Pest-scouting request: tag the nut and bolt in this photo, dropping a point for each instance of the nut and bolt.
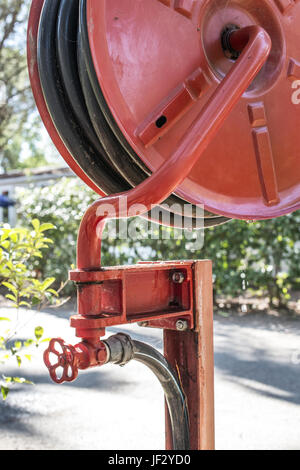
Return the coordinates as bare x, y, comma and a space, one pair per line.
182, 325
178, 277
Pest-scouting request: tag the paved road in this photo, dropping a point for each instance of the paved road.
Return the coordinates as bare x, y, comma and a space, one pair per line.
257, 394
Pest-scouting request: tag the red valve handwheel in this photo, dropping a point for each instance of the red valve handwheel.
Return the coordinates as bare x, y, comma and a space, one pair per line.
159, 61
66, 360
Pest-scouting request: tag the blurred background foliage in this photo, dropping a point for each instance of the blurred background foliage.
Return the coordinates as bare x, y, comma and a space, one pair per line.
257, 258
23, 141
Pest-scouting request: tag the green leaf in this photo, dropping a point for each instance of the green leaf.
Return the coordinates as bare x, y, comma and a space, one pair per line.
6, 357
8, 380
5, 244
19, 361
54, 292
10, 286
48, 240
21, 380
11, 297
13, 236
39, 331
4, 319
4, 236
35, 301
4, 392
10, 265
46, 226
25, 304
36, 224
47, 283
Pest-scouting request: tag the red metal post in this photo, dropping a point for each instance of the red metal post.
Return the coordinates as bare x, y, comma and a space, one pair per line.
191, 354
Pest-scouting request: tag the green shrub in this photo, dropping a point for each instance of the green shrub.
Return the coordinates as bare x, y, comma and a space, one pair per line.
61, 204
19, 248
260, 258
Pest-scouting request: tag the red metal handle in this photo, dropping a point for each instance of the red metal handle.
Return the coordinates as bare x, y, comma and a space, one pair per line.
156, 188
66, 363
68, 359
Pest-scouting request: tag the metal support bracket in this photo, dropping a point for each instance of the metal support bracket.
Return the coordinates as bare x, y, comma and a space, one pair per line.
157, 295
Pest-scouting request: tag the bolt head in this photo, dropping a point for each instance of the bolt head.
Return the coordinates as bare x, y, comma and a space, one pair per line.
182, 325
178, 277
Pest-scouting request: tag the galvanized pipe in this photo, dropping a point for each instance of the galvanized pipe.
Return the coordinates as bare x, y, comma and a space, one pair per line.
175, 398
122, 349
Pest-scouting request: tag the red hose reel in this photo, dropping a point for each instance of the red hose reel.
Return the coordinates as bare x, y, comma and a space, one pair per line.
184, 101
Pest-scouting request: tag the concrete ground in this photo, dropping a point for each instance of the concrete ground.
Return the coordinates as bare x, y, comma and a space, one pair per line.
257, 391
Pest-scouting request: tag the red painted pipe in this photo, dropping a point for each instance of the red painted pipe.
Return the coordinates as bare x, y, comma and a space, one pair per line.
155, 189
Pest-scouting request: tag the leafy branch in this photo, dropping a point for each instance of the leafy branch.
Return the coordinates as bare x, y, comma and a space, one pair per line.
19, 247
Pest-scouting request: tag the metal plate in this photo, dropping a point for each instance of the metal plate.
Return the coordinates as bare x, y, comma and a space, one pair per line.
158, 62
107, 131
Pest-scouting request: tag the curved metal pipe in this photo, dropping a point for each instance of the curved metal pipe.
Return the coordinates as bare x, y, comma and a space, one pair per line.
157, 187
175, 398
122, 349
